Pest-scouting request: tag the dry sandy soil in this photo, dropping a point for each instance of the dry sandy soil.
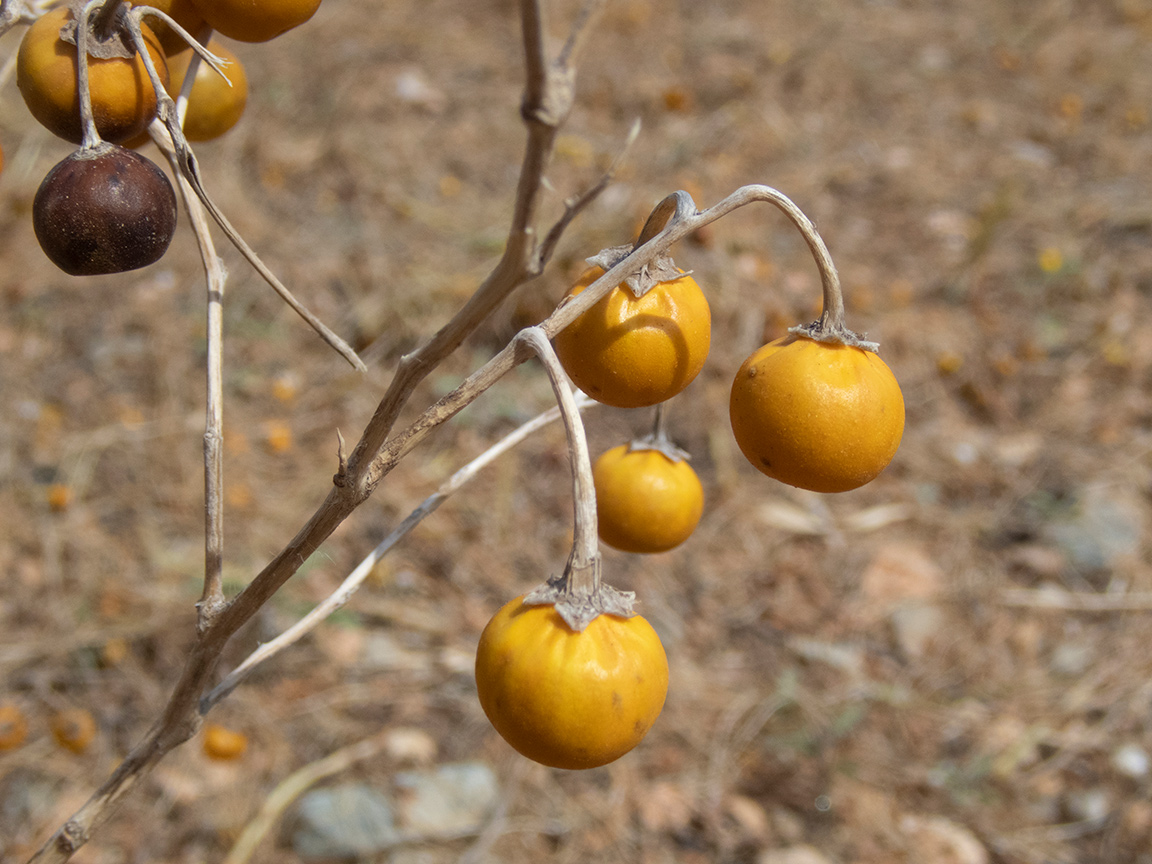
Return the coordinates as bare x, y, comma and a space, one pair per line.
948, 665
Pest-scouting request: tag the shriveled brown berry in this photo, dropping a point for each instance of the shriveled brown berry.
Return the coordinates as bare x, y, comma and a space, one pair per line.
104, 209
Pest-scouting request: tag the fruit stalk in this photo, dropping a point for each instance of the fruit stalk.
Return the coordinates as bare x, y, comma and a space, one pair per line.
91, 138
578, 593
105, 18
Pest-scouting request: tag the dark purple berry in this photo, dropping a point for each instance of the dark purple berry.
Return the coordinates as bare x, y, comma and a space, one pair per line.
104, 209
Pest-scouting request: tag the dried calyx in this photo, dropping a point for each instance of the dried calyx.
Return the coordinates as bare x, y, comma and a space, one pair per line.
579, 596
662, 269
109, 35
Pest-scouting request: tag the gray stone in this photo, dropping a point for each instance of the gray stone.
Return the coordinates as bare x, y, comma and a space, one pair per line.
1108, 525
1089, 805
451, 800
346, 821
1131, 760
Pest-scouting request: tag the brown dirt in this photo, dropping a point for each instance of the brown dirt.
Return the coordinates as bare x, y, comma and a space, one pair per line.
870, 674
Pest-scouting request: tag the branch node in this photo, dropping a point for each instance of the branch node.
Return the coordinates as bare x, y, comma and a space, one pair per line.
556, 98
340, 478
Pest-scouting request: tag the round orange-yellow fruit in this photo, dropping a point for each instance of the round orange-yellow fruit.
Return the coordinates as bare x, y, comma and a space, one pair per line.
645, 501
123, 102
815, 415
255, 20
214, 105
630, 352
567, 699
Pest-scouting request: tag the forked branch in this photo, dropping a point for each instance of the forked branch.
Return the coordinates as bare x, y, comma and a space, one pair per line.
550, 89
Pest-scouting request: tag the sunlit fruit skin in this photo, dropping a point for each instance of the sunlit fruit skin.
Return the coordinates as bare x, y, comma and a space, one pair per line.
213, 106
106, 210
123, 102
630, 352
819, 416
184, 13
255, 20
567, 699
645, 501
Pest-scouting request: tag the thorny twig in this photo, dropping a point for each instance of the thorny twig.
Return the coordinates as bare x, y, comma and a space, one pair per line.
181, 718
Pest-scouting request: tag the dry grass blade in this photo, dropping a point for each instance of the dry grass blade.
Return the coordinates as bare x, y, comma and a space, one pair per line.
294, 785
1076, 601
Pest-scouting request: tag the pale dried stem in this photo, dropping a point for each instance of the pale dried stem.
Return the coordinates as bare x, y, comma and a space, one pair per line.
585, 541
578, 595
167, 111
215, 277
197, 42
549, 93
658, 439
356, 480
574, 206
356, 578
202, 38
660, 422
106, 18
91, 138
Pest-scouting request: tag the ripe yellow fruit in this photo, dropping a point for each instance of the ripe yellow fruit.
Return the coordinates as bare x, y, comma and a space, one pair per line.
256, 20
645, 501
214, 105
123, 102
816, 415
630, 352
567, 699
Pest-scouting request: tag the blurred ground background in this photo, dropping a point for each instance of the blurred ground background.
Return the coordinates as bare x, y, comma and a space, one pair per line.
948, 665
